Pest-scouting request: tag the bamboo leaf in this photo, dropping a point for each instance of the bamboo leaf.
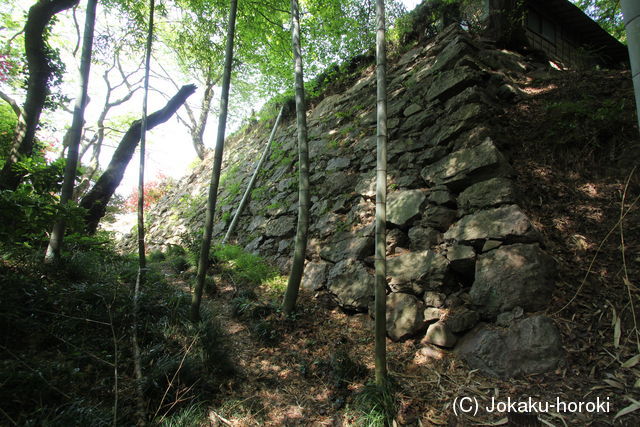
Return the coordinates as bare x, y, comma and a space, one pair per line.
629, 409
617, 333
632, 362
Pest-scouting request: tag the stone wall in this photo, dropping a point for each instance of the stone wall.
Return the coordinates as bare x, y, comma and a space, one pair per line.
465, 264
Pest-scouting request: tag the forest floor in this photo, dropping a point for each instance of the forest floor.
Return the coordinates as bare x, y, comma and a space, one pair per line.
573, 140
574, 151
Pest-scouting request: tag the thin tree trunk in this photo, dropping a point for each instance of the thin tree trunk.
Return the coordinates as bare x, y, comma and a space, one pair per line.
631, 12
217, 165
254, 177
297, 268
40, 71
75, 134
96, 200
381, 202
142, 260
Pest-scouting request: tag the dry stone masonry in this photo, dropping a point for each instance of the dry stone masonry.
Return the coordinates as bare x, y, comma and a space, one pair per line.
462, 255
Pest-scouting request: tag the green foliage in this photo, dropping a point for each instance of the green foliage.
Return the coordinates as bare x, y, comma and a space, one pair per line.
194, 415
607, 13
242, 266
7, 125
70, 325
375, 406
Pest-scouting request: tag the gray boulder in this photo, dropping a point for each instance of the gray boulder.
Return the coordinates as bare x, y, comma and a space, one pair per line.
450, 83
351, 284
404, 205
280, 227
415, 271
424, 238
347, 245
438, 217
510, 276
487, 194
462, 168
531, 346
405, 316
439, 334
315, 275
460, 319
503, 223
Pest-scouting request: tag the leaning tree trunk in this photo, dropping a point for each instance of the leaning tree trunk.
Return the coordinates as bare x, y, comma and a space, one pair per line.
95, 201
40, 71
252, 181
631, 12
381, 202
297, 268
203, 262
75, 134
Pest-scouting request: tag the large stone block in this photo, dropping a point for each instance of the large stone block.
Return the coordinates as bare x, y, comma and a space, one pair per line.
405, 316
416, 271
351, 284
462, 168
516, 275
347, 245
404, 205
452, 82
531, 346
503, 223
487, 194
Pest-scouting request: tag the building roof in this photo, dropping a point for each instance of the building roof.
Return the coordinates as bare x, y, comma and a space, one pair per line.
589, 32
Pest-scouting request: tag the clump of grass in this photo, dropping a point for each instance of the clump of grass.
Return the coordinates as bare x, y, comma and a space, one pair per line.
193, 415
241, 265
375, 405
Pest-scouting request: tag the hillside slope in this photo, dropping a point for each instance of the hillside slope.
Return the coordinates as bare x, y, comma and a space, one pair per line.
505, 178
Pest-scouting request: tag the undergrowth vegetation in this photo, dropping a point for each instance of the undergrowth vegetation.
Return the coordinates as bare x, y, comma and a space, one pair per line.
66, 353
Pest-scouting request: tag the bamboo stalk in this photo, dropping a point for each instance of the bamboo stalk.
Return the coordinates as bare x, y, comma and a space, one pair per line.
254, 177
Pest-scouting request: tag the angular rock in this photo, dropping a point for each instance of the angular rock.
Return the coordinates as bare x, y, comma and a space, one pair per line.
503, 223
462, 260
280, 227
347, 245
424, 238
315, 275
434, 299
405, 316
404, 205
438, 217
464, 167
439, 334
432, 314
338, 163
510, 276
487, 194
450, 54
461, 319
531, 346
352, 285
443, 131
450, 83
416, 270
441, 195
411, 109
490, 245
